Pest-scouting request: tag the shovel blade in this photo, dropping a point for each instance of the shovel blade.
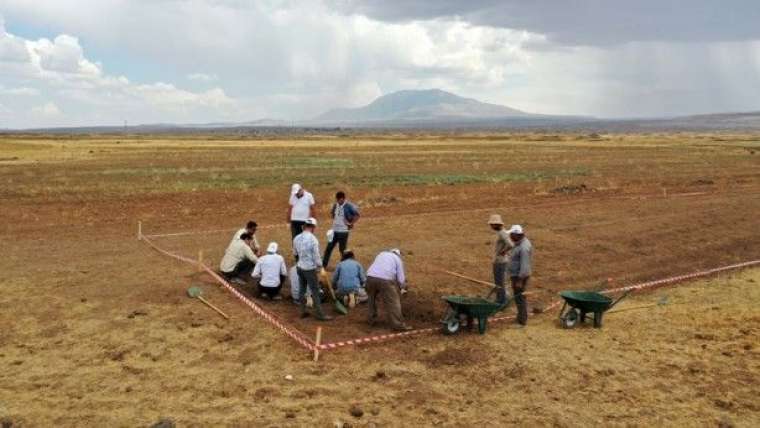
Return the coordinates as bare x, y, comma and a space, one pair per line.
194, 291
341, 308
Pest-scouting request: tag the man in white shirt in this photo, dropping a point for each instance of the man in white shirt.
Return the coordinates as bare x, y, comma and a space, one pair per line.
238, 259
271, 273
249, 228
300, 208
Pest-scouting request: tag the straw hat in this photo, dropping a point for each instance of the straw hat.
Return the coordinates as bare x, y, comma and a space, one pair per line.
495, 219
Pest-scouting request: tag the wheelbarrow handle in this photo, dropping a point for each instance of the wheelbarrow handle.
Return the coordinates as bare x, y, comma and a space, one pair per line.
627, 292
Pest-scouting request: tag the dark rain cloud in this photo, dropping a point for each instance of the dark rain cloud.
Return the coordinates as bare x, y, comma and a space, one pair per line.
584, 22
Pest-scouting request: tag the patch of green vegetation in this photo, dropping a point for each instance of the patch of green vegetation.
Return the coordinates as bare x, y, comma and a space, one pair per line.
453, 179
317, 162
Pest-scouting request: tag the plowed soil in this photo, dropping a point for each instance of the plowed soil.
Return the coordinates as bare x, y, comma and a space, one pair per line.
97, 330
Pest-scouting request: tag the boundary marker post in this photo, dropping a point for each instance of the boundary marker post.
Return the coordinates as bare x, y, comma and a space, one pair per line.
318, 344
139, 231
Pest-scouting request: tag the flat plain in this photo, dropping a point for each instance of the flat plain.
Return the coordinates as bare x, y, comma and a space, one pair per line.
96, 328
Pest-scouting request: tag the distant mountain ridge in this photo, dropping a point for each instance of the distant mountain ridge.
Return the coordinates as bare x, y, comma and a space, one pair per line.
428, 105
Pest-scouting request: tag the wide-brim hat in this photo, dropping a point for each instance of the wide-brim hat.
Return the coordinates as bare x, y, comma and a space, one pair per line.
495, 219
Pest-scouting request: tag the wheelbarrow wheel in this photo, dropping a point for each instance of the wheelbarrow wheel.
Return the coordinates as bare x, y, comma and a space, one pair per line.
571, 318
451, 322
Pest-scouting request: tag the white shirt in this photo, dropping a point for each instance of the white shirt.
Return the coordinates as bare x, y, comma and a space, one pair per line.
236, 252
269, 268
387, 266
236, 237
301, 206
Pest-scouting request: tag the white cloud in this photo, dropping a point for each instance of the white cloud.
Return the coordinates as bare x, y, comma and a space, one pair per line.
60, 69
212, 60
20, 91
202, 77
48, 110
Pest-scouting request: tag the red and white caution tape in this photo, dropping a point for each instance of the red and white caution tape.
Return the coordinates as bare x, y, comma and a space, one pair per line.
307, 343
680, 278
295, 334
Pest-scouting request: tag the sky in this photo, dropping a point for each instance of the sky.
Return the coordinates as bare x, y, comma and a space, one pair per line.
104, 62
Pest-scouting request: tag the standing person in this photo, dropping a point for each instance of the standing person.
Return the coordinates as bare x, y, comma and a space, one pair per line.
249, 228
385, 278
238, 259
300, 208
344, 215
500, 258
306, 248
520, 269
349, 277
271, 273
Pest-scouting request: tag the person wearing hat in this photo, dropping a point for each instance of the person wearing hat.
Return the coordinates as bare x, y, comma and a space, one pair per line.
500, 258
238, 259
349, 278
300, 208
271, 273
306, 249
520, 269
385, 279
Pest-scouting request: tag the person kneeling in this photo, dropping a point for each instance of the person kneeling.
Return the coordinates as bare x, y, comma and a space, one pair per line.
349, 278
271, 273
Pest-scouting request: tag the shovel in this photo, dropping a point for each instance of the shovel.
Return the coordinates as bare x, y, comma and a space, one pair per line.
195, 292
339, 306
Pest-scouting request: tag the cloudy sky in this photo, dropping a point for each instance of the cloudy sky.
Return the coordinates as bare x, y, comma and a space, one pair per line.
100, 62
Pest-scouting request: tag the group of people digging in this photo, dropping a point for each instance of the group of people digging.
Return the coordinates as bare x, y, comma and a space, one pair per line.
383, 281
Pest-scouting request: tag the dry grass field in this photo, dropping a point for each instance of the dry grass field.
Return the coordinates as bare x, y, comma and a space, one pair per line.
97, 331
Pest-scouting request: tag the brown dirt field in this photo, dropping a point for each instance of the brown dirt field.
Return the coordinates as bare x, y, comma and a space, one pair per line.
96, 329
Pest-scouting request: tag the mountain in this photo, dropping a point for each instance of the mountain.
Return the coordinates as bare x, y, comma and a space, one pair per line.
425, 106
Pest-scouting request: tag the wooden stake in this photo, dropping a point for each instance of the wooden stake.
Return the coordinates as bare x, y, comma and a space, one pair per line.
200, 260
139, 231
318, 342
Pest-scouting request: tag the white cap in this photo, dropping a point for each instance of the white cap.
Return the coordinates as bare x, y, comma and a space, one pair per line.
311, 221
396, 251
272, 248
295, 188
516, 229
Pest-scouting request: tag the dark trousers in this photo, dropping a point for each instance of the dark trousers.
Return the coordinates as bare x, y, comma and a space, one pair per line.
241, 269
296, 227
309, 278
389, 294
518, 288
499, 277
269, 291
340, 238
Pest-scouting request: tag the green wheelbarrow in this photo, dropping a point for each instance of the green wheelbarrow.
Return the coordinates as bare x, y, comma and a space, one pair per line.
469, 308
584, 302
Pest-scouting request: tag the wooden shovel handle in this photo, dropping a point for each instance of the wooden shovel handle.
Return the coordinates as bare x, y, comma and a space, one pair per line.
213, 307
